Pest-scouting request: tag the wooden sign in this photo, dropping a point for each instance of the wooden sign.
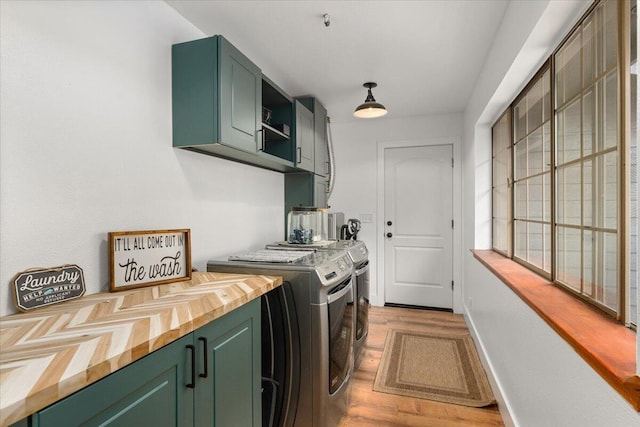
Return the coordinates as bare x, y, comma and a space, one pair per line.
40, 287
147, 258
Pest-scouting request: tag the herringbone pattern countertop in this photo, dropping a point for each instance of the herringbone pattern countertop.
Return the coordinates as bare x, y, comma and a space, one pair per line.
52, 352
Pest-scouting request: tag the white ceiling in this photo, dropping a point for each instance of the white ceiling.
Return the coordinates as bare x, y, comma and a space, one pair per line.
424, 55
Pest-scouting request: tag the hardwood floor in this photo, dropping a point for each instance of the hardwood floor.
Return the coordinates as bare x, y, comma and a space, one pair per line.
370, 408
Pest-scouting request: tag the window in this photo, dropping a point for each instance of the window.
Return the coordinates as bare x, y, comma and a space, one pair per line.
501, 159
634, 171
587, 159
532, 175
574, 202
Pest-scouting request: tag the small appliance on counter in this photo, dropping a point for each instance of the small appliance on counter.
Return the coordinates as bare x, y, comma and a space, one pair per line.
335, 221
307, 225
349, 231
339, 229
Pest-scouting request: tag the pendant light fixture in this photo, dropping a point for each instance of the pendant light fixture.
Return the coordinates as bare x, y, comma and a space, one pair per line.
370, 108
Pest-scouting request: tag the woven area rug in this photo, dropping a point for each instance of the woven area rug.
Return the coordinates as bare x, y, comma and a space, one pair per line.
445, 368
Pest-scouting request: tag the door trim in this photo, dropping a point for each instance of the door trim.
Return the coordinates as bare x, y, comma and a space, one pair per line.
377, 290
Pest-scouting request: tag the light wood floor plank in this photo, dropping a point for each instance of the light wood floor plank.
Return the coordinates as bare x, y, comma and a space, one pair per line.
371, 408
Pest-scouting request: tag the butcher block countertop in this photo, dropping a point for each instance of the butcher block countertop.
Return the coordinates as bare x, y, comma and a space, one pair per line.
50, 353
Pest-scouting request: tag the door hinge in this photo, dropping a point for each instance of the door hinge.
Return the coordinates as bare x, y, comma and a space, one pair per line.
452, 284
452, 162
452, 224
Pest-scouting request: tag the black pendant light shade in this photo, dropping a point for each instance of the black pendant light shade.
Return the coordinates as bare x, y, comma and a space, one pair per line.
370, 108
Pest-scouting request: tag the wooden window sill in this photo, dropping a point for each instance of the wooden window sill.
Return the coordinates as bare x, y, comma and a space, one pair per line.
608, 346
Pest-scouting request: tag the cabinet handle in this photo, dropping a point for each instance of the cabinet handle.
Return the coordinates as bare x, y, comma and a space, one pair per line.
193, 366
261, 133
205, 353
298, 154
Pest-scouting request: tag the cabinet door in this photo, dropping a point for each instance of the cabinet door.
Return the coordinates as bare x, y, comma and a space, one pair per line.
149, 392
305, 137
194, 98
321, 157
320, 185
240, 98
228, 392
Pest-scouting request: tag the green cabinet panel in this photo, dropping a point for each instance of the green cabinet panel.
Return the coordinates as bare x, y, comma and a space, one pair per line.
321, 156
24, 423
321, 187
217, 96
230, 394
305, 137
149, 392
309, 188
298, 190
240, 88
221, 360
195, 93
277, 123
303, 189
320, 139
217, 103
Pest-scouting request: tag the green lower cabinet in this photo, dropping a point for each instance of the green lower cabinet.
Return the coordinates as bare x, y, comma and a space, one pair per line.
230, 395
150, 391
155, 390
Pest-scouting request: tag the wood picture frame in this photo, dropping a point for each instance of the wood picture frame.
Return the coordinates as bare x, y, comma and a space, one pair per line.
148, 258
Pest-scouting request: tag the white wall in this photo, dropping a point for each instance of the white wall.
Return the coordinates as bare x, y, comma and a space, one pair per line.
542, 380
356, 192
85, 144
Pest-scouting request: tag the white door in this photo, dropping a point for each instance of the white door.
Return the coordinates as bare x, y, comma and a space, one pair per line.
418, 225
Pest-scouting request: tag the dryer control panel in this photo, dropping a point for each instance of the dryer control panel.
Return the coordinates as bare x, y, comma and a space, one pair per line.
336, 267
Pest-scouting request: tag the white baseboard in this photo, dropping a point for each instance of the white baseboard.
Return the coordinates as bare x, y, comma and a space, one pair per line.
376, 301
503, 402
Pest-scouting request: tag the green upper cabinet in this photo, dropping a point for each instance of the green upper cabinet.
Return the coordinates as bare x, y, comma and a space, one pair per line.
305, 137
217, 96
240, 97
277, 122
321, 156
304, 189
309, 184
217, 103
224, 106
321, 188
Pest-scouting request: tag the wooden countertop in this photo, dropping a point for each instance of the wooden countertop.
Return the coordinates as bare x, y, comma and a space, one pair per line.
53, 352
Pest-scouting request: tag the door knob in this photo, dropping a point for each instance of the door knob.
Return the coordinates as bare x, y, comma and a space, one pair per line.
389, 234
389, 223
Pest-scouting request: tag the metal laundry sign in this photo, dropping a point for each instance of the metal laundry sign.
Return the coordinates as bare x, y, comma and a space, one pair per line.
41, 287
